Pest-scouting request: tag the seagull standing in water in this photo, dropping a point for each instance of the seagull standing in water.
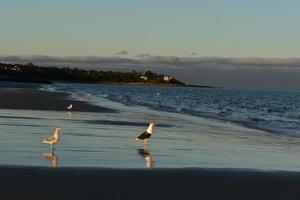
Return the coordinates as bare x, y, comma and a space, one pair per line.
147, 134
69, 108
52, 139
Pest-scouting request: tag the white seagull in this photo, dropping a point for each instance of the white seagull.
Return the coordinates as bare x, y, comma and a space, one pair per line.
147, 134
69, 108
52, 139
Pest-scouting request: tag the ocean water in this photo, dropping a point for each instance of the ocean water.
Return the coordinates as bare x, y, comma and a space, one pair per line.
277, 112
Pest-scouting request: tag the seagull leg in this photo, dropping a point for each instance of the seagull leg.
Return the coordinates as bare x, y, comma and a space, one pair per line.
145, 144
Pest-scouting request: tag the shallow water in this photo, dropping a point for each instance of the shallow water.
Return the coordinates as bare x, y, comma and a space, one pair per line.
108, 140
273, 111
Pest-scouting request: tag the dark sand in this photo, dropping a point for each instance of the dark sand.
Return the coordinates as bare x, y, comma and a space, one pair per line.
43, 100
93, 183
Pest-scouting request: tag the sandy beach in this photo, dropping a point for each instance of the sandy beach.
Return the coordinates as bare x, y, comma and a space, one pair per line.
98, 157
150, 100
93, 183
43, 100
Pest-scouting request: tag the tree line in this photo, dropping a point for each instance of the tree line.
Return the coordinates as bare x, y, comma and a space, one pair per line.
32, 73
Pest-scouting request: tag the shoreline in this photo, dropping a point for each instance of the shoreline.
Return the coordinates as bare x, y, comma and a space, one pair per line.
105, 143
82, 183
31, 99
158, 85
38, 81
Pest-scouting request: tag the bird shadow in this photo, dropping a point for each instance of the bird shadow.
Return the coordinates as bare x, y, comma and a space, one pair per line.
147, 156
51, 156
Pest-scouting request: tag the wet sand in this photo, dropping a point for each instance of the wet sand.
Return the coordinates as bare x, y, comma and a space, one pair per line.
42, 100
93, 183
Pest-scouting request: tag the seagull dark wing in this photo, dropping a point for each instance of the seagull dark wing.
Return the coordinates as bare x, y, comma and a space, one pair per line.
144, 136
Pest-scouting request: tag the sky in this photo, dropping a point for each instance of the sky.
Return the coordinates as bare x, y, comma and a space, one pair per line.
238, 28
153, 28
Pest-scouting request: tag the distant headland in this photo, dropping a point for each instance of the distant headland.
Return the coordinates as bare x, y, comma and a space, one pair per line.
41, 74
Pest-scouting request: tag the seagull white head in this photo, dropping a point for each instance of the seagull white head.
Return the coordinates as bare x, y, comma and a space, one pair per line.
57, 131
70, 107
150, 128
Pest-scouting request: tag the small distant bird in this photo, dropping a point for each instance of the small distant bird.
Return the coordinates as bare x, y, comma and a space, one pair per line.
178, 109
147, 134
69, 108
52, 139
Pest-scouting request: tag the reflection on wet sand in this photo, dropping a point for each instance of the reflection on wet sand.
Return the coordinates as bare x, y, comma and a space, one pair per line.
51, 157
147, 156
69, 113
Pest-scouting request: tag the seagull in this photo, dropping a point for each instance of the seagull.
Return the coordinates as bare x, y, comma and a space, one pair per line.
147, 134
69, 108
52, 139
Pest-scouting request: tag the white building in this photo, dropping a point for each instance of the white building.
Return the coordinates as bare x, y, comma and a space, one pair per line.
167, 78
144, 78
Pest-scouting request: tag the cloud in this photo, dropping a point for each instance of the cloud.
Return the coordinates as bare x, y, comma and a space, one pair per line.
122, 53
143, 55
163, 61
220, 71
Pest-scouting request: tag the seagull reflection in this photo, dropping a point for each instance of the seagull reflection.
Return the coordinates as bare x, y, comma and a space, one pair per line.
51, 157
69, 114
147, 156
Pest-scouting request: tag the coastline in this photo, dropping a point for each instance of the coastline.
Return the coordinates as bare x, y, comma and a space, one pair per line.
104, 183
29, 99
99, 158
179, 141
158, 85
45, 81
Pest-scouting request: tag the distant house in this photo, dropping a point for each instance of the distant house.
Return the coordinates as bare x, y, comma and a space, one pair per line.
144, 78
164, 77
15, 68
167, 78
